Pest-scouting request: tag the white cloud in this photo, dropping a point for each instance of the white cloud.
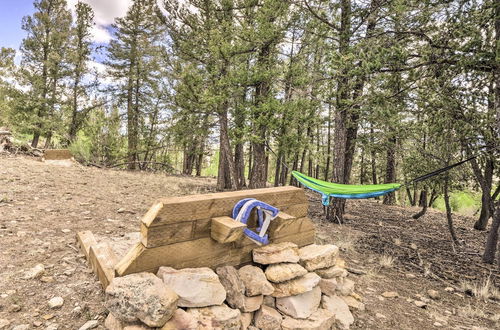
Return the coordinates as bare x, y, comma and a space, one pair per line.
105, 12
101, 35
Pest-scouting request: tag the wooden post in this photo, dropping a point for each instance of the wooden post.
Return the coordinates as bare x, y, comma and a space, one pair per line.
226, 229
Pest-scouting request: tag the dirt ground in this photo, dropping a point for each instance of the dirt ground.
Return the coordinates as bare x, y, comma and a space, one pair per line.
43, 206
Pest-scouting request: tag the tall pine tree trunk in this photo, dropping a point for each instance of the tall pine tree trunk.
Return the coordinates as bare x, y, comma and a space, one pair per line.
131, 114
390, 170
340, 144
373, 156
485, 180
227, 178
328, 142
262, 90
492, 242
448, 210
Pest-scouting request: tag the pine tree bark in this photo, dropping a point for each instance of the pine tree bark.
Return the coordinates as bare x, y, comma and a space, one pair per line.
449, 216
262, 90
423, 203
227, 178
492, 242
328, 142
390, 170
492, 239
485, 180
131, 113
337, 208
373, 157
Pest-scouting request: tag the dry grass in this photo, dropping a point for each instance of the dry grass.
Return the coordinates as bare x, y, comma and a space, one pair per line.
386, 261
346, 242
483, 290
472, 312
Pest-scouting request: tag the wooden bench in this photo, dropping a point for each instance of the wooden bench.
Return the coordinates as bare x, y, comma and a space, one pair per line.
57, 154
179, 232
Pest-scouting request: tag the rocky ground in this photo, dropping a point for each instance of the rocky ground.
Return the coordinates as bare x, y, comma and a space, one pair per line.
412, 277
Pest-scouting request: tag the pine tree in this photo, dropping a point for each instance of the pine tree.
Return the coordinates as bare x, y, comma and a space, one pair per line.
79, 54
43, 63
133, 62
7, 71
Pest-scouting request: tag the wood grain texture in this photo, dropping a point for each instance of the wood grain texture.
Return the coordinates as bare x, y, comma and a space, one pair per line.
57, 154
226, 229
296, 210
206, 206
290, 227
85, 239
167, 234
103, 259
203, 252
301, 239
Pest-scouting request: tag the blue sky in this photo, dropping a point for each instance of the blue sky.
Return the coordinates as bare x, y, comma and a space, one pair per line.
12, 12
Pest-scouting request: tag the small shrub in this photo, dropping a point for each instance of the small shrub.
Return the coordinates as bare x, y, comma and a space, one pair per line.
386, 261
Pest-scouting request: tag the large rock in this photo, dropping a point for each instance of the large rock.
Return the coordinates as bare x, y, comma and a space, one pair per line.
300, 306
252, 304
353, 303
4, 324
296, 286
314, 256
269, 301
328, 286
112, 323
331, 272
345, 287
196, 287
267, 318
282, 272
322, 319
235, 289
143, 297
216, 317
246, 320
255, 281
339, 308
181, 320
276, 253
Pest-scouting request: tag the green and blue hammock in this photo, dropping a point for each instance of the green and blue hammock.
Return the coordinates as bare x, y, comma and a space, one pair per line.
351, 191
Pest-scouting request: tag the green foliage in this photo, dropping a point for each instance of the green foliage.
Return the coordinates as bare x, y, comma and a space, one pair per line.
462, 202
43, 65
81, 148
7, 92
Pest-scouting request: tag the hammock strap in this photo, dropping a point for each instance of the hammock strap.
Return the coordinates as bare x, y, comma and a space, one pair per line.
439, 171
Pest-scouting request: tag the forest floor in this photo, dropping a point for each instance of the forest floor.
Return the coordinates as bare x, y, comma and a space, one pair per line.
43, 206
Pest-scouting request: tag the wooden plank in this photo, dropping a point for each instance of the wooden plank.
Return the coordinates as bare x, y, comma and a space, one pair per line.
103, 260
202, 228
203, 252
57, 154
296, 210
166, 234
86, 239
195, 207
226, 230
281, 220
301, 239
290, 227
